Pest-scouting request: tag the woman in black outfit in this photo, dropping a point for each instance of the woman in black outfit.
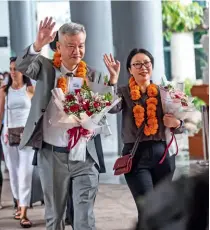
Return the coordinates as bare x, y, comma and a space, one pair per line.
141, 108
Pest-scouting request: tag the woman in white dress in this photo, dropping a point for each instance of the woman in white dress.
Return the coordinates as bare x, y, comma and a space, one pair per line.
15, 104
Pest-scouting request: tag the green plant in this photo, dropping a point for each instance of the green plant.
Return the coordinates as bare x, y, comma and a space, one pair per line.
180, 18
197, 101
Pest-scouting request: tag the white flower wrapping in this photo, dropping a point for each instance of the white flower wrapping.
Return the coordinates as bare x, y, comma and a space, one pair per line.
173, 106
62, 120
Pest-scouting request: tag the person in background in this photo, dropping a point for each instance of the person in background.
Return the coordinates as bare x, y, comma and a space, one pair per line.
1, 151
15, 104
6, 77
142, 116
1, 176
1, 79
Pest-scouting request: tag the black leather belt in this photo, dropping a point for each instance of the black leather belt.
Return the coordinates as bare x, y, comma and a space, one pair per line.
55, 148
60, 150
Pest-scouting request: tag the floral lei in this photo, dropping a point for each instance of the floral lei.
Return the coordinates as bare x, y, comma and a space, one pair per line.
62, 81
151, 124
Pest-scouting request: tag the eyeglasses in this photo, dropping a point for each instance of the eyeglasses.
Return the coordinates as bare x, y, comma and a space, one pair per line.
139, 65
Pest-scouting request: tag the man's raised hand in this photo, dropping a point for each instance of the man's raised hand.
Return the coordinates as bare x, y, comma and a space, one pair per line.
45, 33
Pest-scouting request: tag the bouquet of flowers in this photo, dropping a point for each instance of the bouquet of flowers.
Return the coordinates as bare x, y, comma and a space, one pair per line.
174, 101
81, 112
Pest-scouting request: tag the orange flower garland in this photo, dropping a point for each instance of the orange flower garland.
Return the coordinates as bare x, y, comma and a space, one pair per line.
134, 89
57, 60
151, 125
62, 81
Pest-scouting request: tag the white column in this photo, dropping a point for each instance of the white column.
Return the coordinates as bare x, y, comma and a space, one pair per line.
205, 42
182, 56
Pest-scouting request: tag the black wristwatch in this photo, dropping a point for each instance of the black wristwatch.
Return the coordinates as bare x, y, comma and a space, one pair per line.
109, 84
181, 124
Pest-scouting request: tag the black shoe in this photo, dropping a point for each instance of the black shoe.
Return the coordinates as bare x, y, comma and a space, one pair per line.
68, 222
15, 203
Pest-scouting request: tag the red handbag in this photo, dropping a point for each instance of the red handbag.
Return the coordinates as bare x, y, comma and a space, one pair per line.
123, 164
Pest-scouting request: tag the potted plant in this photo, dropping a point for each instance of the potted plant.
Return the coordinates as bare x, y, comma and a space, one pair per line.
179, 22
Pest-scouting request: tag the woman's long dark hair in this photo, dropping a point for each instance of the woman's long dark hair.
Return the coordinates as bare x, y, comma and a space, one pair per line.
26, 80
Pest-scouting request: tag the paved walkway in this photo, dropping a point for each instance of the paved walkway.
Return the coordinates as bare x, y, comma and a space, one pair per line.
114, 210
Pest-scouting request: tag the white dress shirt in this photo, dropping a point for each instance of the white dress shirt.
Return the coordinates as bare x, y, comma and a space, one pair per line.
54, 135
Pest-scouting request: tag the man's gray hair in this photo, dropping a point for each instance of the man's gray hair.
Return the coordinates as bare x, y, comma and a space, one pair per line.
71, 28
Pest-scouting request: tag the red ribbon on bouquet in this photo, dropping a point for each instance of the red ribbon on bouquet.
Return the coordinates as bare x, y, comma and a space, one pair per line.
75, 134
168, 146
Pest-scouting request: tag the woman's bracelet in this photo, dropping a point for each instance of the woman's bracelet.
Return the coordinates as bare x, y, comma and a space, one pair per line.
180, 125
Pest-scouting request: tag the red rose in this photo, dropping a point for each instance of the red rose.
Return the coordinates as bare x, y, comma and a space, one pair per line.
89, 113
65, 109
77, 91
177, 96
184, 103
74, 108
70, 97
96, 104
86, 106
108, 103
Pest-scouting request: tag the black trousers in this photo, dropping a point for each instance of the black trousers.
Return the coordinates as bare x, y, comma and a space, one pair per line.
146, 171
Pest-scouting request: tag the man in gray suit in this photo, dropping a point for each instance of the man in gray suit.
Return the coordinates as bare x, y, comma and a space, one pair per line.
56, 170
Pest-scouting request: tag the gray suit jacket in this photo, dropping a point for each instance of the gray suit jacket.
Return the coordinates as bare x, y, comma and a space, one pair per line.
41, 69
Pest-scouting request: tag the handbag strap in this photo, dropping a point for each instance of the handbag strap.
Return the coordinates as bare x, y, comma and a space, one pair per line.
133, 151
7, 108
173, 138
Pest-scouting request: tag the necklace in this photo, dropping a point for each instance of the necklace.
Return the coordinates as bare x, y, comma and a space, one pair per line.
140, 115
80, 72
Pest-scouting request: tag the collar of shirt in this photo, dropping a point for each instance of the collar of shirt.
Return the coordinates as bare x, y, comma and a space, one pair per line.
64, 70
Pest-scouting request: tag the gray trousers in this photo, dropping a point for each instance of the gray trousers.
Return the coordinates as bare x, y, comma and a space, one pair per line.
56, 171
